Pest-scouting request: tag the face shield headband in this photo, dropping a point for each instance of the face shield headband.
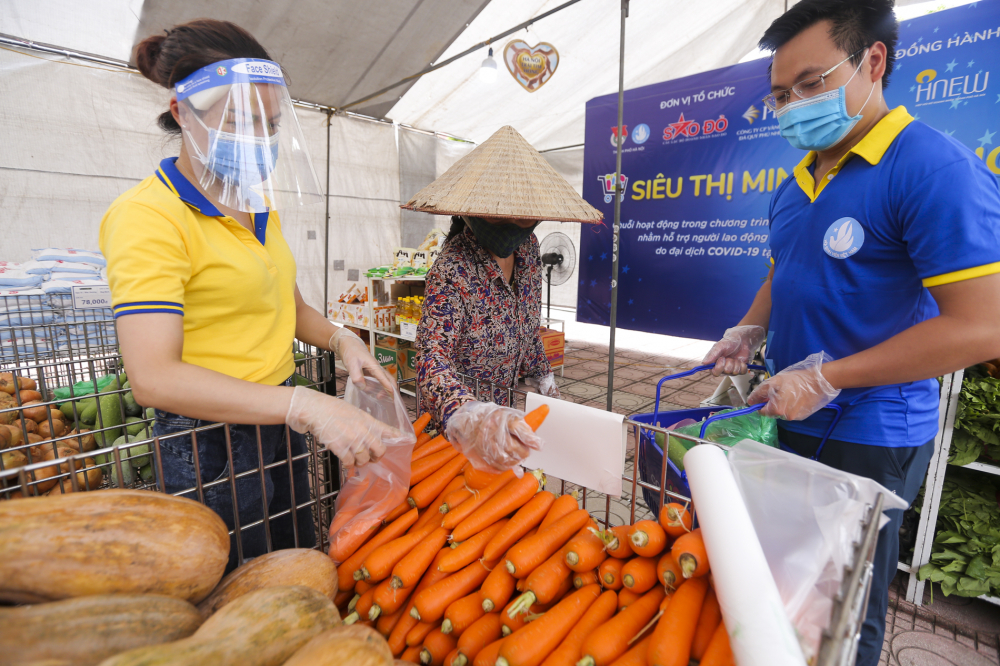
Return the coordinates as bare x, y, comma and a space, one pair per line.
231, 113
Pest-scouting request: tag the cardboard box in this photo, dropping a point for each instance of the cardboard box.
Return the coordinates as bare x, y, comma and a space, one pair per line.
353, 314
386, 341
388, 359
408, 363
554, 343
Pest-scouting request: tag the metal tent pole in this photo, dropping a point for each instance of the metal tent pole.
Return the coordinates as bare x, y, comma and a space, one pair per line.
326, 230
619, 190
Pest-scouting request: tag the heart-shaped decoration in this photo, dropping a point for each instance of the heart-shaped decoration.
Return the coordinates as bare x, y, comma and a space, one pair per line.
531, 66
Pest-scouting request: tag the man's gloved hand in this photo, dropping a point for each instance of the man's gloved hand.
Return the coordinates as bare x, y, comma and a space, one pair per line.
798, 391
353, 436
492, 437
732, 353
546, 385
357, 359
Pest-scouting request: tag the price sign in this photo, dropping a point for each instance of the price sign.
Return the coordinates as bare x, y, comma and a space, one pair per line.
91, 298
408, 331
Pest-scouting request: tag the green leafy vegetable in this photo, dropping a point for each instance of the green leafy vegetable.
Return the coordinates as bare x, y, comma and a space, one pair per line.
977, 420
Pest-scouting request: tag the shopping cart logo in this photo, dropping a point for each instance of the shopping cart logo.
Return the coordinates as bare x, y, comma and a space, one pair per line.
608, 183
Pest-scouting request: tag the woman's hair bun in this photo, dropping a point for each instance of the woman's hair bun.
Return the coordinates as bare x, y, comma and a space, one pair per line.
146, 55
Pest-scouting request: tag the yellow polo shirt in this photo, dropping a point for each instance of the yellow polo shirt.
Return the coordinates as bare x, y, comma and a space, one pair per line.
169, 249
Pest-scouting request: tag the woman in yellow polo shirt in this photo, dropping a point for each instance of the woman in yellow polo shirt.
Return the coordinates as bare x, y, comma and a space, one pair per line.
204, 295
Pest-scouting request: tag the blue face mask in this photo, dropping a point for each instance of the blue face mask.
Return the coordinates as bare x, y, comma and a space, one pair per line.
821, 122
235, 157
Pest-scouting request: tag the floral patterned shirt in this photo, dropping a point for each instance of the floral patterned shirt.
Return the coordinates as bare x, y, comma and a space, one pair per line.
477, 324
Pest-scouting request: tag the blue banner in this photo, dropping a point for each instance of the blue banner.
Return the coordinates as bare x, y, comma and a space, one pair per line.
702, 155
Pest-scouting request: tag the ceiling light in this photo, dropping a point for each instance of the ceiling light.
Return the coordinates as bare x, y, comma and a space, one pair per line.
488, 70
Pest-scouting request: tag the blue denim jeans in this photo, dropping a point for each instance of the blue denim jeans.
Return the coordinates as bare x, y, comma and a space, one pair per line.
213, 462
899, 469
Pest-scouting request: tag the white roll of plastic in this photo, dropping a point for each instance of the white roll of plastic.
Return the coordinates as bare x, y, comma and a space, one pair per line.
759, 629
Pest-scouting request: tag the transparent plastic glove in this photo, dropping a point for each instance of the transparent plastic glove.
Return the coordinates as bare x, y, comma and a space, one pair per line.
492, 437
798, 391
732, 353
353, 436
546, 385
357, 359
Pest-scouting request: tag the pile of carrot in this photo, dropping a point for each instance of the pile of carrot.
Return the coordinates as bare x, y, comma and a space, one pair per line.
480, 569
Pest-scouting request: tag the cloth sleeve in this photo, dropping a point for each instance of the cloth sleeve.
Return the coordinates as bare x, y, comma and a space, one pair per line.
536, 363
148, 261
951, 223
441, 391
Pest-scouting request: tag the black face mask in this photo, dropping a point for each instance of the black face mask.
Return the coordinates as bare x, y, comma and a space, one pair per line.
500, 239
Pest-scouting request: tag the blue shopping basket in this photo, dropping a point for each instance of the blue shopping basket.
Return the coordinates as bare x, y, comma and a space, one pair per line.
651, 458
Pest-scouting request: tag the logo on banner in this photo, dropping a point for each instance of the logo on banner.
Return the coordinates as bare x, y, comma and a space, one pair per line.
751, 114
844, 238
691, 128
608, 183
531, 66
614, 135
220, 70
640, 134
931, 90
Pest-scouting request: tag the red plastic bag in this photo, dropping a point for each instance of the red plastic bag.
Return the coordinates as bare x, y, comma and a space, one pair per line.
375, 489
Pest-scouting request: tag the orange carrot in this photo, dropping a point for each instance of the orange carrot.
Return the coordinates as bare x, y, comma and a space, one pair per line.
348, 572
397, 639
460, 614
481, 633
470, 550
610, 572
585, 551
564, 504
403, 507
568, 651
389, 599
420, 632
454, 498
412, 654
387, 622
429, 604
468, 507
544, 583
636, 655
671, 644
648, 538
616, 542
611, 639
362, 608
429, 514
408, 570
434, 445
421, 422
437, 645
708, 620
422, 439
421, 469
380, 562
529, 553
452, 657
423, 493
639, 574
522, 584
535, 417
342, 598
513, 496
719, 652
668, 572
363, 586
513, 622
346, 545
535, 642
586, 578
488, 655
689, 551
626, 597
675, 519
527, 518
497, 589
477, 479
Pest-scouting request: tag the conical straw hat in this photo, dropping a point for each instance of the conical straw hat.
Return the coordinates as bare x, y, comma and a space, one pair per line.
504, 177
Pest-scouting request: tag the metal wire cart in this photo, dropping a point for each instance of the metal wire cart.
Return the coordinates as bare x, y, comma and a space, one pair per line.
70, 359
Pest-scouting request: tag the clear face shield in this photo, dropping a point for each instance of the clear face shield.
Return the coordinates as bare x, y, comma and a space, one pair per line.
245, 143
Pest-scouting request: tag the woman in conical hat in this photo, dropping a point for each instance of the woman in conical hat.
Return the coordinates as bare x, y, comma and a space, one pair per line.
483, 294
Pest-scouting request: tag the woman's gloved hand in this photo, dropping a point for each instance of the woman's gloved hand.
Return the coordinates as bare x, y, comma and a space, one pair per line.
357, 359
492, 437
732, 353
798, 391
353, 436
545, 384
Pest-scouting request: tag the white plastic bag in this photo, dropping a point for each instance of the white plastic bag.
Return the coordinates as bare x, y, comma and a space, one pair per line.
372, 491
807, 517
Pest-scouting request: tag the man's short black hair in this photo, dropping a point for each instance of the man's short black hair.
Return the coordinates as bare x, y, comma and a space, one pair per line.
856, 25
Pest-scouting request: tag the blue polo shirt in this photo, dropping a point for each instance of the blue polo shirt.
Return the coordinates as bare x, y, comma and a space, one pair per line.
906, 209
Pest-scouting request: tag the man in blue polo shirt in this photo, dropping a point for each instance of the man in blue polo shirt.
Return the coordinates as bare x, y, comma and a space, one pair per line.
886, 274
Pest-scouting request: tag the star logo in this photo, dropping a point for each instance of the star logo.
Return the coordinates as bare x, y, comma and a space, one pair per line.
951, 65
593, 283
971, 63
950, 132
955, 103
912, 88
987, 137
604, 255
681, 128
998, 99
630, 301
935, 29
590, 258
625, 269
